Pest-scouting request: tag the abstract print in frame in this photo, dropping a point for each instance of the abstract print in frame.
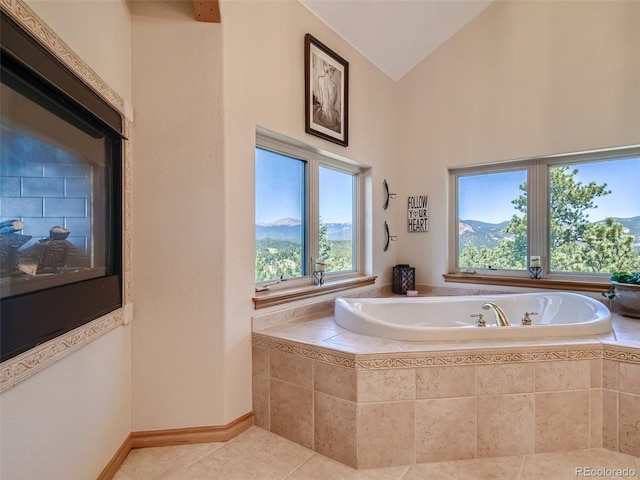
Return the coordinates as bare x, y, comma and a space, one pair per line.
326, 92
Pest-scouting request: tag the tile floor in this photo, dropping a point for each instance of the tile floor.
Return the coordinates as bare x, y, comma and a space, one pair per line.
258, 454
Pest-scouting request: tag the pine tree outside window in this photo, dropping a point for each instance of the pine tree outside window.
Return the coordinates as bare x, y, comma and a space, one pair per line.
580, 213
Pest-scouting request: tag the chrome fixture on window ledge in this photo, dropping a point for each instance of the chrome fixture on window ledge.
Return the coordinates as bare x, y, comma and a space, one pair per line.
265, 286
318, 273
387, 194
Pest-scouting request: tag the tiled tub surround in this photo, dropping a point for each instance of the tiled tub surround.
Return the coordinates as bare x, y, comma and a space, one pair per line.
371, 402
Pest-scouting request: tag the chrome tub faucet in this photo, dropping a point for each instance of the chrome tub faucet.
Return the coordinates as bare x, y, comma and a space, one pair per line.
501, 317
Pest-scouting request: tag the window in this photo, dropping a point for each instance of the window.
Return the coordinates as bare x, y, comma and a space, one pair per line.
579, 213
307, 208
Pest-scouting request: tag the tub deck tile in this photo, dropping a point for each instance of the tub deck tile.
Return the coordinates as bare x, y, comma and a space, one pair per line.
522, 390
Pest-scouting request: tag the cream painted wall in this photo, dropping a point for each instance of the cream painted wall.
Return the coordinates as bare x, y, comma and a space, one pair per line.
522, 79
98, 31
264, 86
194, 184
179, 211
68, 420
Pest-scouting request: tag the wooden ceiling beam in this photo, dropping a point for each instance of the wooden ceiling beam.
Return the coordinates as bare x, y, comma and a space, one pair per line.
207, 10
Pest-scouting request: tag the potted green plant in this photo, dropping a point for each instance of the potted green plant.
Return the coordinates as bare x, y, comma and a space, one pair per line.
625, 289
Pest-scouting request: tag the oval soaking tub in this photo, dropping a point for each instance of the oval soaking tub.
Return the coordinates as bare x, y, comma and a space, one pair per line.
449, 318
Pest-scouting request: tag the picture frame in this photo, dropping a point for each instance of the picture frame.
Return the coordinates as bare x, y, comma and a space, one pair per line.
326, 92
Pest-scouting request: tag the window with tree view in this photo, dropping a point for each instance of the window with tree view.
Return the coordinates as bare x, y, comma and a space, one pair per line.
336, 219
305, 209
580, 213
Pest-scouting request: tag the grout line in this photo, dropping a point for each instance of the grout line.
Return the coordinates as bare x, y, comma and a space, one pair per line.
198, 459
617, 417
522, 467
288, 475
476, 392
535, 424
591, 417
406, 471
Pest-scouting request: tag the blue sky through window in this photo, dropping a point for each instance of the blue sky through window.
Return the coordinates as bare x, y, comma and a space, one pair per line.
488, 197
336, 196
280, 190
280, 184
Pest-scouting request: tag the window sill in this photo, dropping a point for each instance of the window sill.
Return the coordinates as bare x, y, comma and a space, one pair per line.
277, 297
547, 283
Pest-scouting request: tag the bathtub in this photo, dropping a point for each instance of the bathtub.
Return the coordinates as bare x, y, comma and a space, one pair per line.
449, 318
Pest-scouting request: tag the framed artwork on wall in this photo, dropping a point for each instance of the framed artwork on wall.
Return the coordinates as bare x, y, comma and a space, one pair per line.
326, 92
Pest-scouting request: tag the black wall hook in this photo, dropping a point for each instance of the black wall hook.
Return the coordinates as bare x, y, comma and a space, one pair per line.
388, 195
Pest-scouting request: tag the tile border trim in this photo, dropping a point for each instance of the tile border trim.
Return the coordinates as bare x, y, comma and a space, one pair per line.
621, 353
474, 356
311, 352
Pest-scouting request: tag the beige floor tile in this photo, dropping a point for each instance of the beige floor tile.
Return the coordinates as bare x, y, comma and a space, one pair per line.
269, 448
227, 463
576, 464
160, 462
319, 467
498, 468
122, 476
258, 454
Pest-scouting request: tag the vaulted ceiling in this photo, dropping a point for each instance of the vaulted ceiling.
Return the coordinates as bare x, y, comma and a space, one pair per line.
396, 35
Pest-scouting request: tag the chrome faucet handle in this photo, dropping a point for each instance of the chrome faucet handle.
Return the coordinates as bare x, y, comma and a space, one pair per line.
526, 320
480, 322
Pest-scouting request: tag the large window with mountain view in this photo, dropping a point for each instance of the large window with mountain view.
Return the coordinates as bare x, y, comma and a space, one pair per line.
580, 213
306, 208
